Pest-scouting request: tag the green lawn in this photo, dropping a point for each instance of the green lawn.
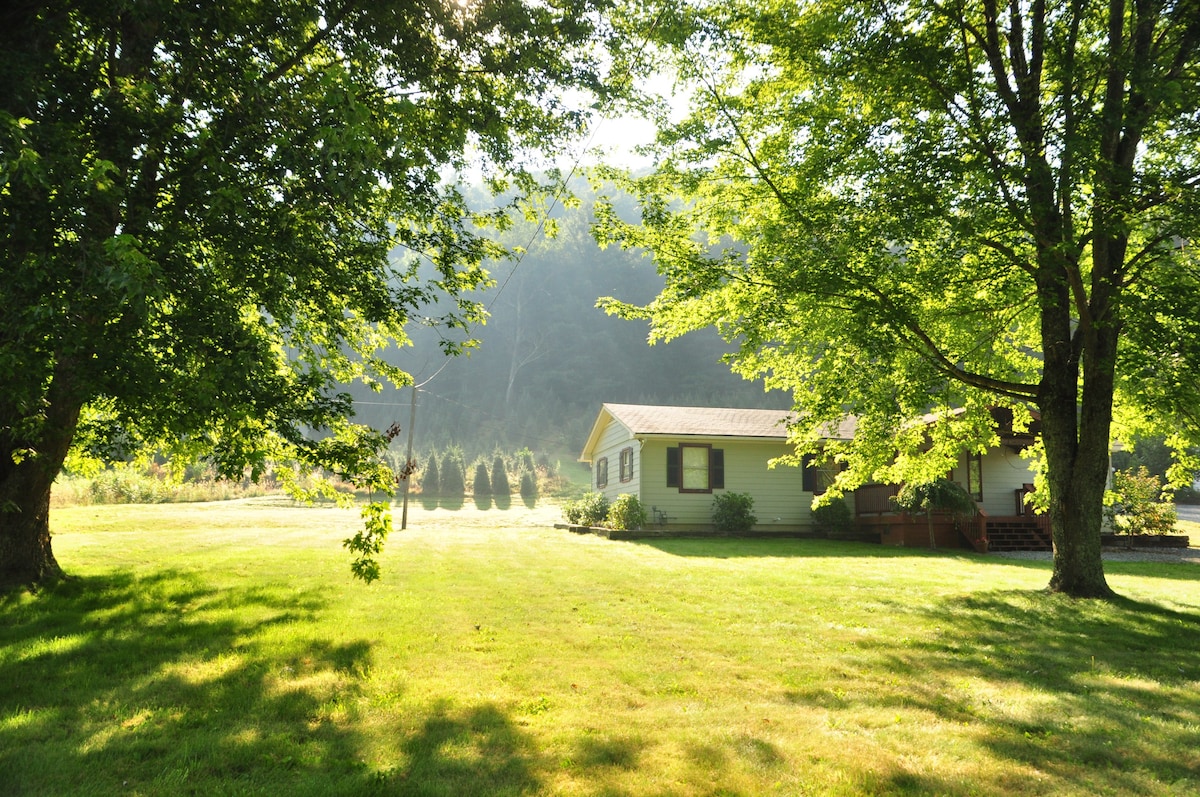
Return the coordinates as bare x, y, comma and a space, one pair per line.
224, 649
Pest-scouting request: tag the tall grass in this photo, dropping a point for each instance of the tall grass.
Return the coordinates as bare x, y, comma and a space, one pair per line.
223, 649
134, 484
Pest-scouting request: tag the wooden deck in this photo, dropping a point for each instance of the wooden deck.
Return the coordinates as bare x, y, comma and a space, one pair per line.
877, 513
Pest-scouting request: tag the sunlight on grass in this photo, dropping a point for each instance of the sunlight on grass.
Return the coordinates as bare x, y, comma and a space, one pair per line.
225, 649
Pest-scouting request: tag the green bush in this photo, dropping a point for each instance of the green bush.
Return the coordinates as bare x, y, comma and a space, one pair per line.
1135, 506
626, 512
733, 512
932, 496
590, 510
833, 518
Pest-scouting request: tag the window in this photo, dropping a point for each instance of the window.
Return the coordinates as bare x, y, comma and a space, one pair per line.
975, 476
696, 468
626, 464
818, 474
601, 472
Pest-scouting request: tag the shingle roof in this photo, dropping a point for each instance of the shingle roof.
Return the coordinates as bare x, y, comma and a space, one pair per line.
646, 420
707, 421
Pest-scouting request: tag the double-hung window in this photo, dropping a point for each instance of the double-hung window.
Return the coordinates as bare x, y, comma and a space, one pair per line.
626, 464
818, 474
975, 476
601, 472
695, 468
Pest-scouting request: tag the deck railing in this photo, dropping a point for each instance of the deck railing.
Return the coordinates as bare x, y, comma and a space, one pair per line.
875, 499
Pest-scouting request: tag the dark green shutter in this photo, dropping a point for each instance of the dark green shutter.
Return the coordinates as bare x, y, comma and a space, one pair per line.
673, 467
716, 468
808, 479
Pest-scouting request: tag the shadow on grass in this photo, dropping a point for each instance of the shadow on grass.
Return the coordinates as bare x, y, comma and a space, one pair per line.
450, 502
130, 683
1076, 696
472, 751
163, 684
714, 547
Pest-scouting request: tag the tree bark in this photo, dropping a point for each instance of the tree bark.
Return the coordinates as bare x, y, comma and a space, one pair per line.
1075, 431
26, 554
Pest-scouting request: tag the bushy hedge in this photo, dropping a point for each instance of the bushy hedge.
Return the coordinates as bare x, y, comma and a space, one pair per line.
590, 510
833, 518
627, 512
733, 512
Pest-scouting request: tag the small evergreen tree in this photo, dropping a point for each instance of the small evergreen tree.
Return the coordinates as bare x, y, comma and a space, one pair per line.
500, 485
481, 485
453, 482
429, 479
529, 488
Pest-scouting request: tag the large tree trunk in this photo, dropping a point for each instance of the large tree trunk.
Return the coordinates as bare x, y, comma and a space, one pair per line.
1075, 432
26, 556
1076, 426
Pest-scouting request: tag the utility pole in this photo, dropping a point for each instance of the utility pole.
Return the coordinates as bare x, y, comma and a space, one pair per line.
412, 420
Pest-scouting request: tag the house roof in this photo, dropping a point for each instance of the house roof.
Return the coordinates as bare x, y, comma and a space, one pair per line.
644, 420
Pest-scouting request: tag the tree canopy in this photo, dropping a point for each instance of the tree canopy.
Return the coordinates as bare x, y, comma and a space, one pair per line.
198, 202
940, 207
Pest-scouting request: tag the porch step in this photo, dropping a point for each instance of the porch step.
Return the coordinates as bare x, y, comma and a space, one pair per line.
1016, 535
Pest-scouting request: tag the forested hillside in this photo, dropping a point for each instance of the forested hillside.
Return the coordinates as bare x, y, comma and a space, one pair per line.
548, 357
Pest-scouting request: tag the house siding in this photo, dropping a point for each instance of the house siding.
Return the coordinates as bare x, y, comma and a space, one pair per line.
780, 503
1004, 472
613, 440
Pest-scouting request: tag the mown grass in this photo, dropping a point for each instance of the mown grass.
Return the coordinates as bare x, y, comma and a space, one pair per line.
223, 649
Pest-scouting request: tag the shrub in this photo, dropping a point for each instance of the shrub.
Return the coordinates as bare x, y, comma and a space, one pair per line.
126, 485
590, 510
833, 518
939, 494
626, 512
1135, 507
733, 512
500, 485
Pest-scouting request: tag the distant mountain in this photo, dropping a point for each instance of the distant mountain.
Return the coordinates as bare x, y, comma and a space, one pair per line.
548, 357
